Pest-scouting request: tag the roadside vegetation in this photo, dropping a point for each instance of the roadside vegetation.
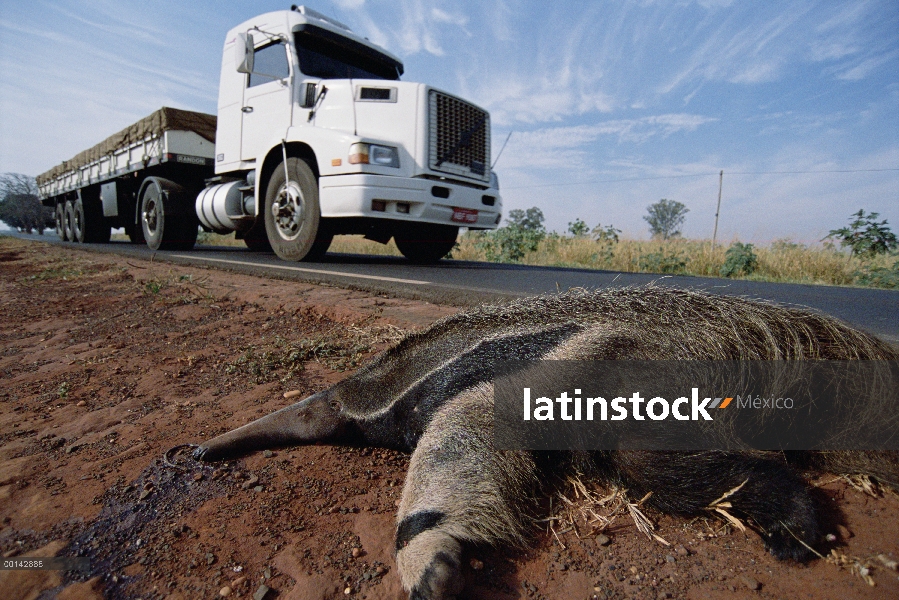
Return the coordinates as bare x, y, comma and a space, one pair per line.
863, 253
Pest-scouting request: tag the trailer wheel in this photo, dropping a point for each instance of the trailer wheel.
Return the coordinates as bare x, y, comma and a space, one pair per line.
292, 212
61, 221
166, 216
425, 243
70, 222
78, 221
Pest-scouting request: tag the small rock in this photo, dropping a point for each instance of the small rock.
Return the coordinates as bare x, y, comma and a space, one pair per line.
681, 550
476, 564
210, 558
750, 582
670, 558
249, 482
238, 582
225, 592
261, 592
81, 403
380, 570
257, 489
356, 552
603, 540
347, 591
198, 476
830, 537
144, 494
267, 454
844, 532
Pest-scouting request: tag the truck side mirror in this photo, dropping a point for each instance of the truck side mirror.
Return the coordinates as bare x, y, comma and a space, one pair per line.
309, 100
244, 53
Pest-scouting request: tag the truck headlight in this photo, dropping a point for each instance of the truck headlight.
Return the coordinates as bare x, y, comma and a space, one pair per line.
373, 154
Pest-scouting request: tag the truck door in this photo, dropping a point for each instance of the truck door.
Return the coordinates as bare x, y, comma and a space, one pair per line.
266, 100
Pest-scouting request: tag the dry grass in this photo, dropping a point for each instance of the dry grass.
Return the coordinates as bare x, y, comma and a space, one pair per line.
593, 509
780, 261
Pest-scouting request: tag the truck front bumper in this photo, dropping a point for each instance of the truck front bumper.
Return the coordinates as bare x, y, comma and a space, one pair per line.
409, 199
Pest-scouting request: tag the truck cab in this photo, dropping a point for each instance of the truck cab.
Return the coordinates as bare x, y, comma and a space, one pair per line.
318, 137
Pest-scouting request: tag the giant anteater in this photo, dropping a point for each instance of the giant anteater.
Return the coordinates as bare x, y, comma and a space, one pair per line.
431, 395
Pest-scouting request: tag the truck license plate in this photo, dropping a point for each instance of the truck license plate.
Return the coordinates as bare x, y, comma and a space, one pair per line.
465, 215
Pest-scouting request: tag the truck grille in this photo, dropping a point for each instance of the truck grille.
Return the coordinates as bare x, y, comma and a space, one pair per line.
459, 137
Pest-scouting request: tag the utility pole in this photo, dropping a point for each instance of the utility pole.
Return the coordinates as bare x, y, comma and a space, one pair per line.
718, 210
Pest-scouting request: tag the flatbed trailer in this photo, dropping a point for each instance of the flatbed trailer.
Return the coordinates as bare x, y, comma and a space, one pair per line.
97, 190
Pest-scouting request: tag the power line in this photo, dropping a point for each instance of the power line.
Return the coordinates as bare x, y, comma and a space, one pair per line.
595, 181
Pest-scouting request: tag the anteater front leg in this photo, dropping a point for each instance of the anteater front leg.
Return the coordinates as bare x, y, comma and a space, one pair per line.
315, 419
459, 490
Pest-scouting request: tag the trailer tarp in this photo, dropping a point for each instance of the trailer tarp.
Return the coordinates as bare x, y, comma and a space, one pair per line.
164, 119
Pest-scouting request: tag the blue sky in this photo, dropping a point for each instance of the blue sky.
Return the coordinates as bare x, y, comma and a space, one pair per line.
612, 105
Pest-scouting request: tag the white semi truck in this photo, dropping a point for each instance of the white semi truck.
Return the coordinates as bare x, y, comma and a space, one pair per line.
316, 136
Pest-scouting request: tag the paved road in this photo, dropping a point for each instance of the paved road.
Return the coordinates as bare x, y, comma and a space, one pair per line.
465, 283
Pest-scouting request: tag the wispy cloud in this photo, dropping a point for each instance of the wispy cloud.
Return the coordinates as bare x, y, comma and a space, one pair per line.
568, 147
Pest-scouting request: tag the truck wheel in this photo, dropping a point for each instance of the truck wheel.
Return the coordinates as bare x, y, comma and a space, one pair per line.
70, 222
61, 221
165, 222
78, 222
425, 243
135, 233
292, 211
320, 246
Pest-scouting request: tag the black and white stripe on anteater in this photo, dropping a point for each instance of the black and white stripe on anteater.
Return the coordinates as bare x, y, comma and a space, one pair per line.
432, 395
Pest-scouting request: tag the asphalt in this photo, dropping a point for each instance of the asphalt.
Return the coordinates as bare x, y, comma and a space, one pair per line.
464, 283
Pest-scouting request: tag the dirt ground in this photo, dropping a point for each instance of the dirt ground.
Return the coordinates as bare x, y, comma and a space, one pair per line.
106, 363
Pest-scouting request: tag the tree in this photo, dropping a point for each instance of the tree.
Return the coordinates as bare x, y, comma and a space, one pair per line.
20, 206
530, 220
865, 236
665, 218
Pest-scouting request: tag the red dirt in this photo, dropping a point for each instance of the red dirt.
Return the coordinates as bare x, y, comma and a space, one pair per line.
108, 362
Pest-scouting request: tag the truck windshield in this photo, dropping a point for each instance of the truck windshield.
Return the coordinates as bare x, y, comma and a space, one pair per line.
331, 56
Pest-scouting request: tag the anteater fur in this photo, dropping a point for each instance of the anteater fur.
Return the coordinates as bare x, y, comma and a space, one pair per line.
432, 395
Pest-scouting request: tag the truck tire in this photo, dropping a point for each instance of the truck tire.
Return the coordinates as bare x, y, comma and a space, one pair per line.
61, 221
292, 212
70, 222
425, 243
78, 221
167, 219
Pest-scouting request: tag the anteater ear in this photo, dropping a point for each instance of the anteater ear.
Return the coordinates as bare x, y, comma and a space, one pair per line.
315, 419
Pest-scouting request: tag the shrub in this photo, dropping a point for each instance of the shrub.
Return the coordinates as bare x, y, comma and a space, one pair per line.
739, 260
660, 262
882, 277
510, 243
578, 228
